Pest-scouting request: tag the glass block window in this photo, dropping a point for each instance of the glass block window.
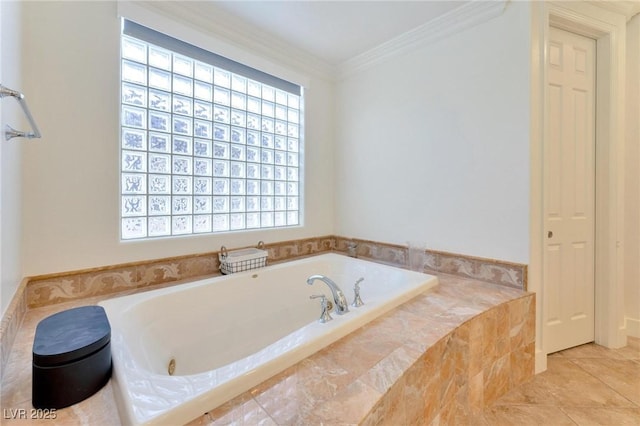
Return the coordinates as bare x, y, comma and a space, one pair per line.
207, 144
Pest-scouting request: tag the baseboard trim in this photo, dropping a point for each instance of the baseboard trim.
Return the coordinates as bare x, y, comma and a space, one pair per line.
541, 361
632, 326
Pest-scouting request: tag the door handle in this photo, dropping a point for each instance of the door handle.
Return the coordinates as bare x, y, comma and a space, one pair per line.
550, 234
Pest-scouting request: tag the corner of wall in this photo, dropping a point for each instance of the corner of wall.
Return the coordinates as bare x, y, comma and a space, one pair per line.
535, 176
10, 154
632, 182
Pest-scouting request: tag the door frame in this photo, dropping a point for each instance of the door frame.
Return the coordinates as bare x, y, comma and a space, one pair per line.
609, 31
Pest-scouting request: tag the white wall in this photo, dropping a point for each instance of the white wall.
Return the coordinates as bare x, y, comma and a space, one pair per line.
433, 146
70, 193
10, 152
632, 181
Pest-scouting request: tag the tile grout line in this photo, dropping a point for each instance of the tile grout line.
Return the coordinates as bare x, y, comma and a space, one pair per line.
568, 416
603, 382
264, 410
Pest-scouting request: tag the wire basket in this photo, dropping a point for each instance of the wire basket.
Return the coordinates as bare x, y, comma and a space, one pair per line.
242, 260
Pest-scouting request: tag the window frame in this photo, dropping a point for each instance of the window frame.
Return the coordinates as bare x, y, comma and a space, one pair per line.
275, 189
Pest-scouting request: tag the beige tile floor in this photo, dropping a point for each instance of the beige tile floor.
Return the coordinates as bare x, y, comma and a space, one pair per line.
585, 385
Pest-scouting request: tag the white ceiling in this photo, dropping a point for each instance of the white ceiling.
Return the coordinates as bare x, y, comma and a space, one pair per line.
335, 31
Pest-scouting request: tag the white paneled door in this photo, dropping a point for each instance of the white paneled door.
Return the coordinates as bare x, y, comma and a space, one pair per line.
569, 192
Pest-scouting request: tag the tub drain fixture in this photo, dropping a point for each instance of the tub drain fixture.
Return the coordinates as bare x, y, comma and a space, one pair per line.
172, 366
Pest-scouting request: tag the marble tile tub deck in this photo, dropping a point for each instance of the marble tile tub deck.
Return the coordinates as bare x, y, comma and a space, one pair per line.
440, 358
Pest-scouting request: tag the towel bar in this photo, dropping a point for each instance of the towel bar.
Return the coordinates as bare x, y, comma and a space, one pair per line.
10, 132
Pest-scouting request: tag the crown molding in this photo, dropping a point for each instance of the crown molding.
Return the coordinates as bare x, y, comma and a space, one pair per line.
466, 16
232, 30
627, 8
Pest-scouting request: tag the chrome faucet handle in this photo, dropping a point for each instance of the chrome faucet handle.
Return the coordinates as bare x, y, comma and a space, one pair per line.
325, 305
357, 301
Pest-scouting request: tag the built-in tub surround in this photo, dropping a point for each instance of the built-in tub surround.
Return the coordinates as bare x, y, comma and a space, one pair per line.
458, 347
228, 334
437, 359
65, 287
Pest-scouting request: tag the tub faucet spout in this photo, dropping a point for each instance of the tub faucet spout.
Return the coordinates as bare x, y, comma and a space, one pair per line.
340, 302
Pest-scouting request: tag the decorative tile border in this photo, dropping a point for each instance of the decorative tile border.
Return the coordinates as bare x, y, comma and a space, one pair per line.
58, 288
494, 271
51, 289
390, 254
11, 322
288, 250
489, 270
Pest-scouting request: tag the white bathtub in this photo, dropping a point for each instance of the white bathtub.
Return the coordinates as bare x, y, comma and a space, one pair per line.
230, 333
